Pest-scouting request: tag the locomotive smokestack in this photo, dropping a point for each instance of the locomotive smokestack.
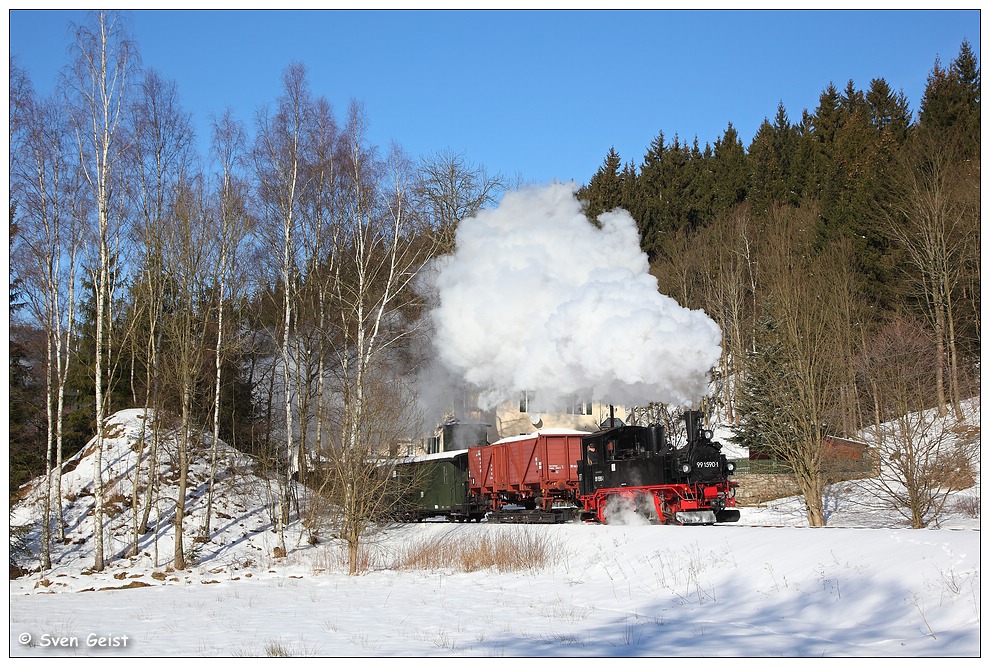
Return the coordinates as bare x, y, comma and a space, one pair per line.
692, 420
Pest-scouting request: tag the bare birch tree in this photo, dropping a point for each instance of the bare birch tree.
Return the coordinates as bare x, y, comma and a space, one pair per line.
280, 163
104, 63
231, 218
52, 209
319, 224
189, 254
448, 189
161, 155
382, 248
726, 274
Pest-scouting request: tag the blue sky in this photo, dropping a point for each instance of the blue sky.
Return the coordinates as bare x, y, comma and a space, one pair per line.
539, 95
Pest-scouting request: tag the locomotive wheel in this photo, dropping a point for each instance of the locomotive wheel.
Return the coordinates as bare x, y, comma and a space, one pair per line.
646, 507
668, 514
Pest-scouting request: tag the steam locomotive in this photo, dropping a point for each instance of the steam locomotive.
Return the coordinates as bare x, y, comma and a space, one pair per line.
558, 475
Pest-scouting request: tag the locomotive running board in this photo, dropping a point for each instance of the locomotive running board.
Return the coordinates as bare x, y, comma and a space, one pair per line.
702, 517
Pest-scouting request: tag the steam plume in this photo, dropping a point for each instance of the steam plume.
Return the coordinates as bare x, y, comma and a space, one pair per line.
536, 298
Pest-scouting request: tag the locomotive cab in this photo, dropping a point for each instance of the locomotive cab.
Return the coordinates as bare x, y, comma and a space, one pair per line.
622, 456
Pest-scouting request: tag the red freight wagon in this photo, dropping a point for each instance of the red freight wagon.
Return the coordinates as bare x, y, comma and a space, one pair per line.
536, 471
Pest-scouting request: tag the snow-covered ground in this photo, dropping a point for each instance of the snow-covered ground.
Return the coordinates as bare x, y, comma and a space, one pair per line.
768, 586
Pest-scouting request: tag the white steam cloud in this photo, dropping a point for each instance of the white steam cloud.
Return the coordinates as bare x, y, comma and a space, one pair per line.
535, 298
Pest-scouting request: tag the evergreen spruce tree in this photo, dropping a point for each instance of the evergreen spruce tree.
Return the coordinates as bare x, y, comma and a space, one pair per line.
825, 123
729, 172
777, 162
936, 102
604, 191
890, 114
629, 197
852, 100
852, 171
648, 209
827, 116
966, 75
678, 205
702, 187
756, 402
80, 393
950, 106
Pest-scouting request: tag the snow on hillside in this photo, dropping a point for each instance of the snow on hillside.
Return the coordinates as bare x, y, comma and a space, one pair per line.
853, 504
865, 588
239, 501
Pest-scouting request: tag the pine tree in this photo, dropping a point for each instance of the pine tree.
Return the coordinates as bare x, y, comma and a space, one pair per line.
827, 116
760, 384
80, 388
25, 413
853, 172
604, 191
950, 106
966, 74
776, 173
765, 169
677, 204
889, 113
852, 100
702, 187
649, 205
630, 190
729, 171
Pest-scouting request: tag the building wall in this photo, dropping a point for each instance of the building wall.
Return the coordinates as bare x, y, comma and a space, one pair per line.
516, 418
755, 488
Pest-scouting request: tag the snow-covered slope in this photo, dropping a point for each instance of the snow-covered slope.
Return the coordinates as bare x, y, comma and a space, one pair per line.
240, 523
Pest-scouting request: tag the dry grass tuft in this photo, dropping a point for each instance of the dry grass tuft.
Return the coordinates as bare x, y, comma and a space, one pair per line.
502, 551
334, 558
